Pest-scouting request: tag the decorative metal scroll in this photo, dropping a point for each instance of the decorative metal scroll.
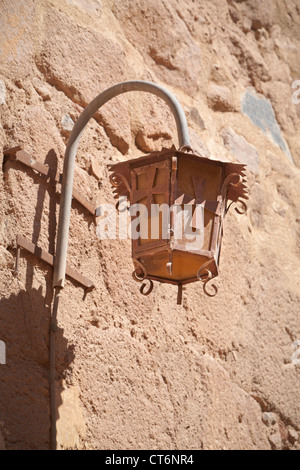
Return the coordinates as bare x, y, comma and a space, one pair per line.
142, 277
208, 277
238, 185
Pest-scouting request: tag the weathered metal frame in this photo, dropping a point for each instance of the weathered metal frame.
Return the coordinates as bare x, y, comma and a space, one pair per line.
232, 185
135, 172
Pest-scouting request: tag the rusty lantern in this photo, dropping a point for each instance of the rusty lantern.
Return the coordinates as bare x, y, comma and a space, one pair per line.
178, 179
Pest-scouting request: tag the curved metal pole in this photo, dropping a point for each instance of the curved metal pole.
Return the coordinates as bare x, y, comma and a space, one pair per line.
70, 156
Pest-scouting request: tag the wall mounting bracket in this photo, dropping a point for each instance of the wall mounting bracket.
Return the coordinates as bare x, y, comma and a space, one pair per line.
19, 155
23, 242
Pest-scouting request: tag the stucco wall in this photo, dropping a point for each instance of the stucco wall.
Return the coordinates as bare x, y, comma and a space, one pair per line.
140, 372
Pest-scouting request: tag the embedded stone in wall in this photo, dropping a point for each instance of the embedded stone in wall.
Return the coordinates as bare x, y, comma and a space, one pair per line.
41, 89
2, 92
96, 168
152, 142
220, 98
241, 149
269, 419
261, 113
67, 123
275, 441
219, 74
194, 115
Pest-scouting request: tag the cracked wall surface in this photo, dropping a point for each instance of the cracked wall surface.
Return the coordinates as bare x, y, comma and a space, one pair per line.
136, 372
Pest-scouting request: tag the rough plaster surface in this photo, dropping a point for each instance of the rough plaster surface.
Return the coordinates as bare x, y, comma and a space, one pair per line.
141, 372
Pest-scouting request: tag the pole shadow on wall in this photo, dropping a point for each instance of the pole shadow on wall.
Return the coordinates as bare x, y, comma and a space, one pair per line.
27, 327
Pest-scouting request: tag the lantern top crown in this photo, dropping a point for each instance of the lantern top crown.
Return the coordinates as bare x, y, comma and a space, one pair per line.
235, 191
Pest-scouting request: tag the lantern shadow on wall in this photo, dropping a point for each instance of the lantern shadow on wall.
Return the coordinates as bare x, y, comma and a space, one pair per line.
171, 177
